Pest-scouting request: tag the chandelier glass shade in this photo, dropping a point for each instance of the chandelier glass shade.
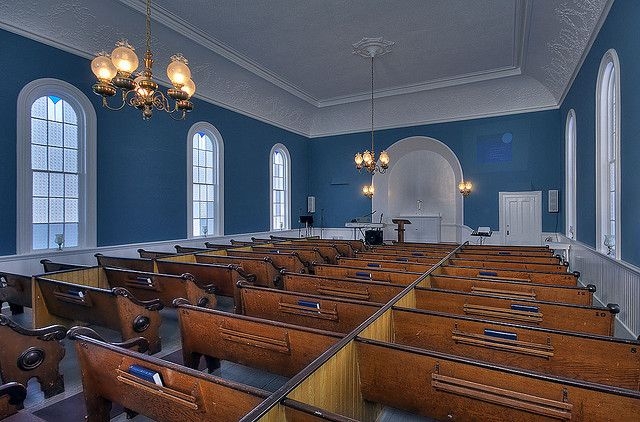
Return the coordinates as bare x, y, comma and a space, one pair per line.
368, 191
465, 187
117, 71
370, 47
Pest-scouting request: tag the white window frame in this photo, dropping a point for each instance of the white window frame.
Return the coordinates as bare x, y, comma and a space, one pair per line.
216, 138
287, 186
570, 199
87, 140
609, 63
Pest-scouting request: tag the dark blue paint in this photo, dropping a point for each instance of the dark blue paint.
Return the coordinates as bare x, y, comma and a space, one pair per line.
621, 32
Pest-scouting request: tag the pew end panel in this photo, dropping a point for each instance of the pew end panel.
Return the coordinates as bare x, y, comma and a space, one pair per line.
139, 318
16, 290
27, 353
12, 395
161, 390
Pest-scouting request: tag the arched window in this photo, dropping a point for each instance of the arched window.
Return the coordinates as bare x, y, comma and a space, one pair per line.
205, 161
608, 155
280, 165
56, 167
570, 175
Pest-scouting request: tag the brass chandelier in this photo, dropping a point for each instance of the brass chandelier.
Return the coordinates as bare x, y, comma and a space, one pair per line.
139, 90
371, 47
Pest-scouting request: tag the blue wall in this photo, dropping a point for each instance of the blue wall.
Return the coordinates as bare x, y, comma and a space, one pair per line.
535, 163
621, 32
142, 175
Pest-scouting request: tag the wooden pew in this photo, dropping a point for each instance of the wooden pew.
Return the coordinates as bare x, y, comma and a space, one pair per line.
370, 291
561, 279
454, 388
136, 264
523, 264
386, 264
266, 274
154, 254
189, 249
15, 289
289, 261
593, 358
559, 316
328, 252
356, 245
509, 258
12, 395
344, 247
26, 354
309, 255
421, 257
49, 266
371, 274
508, 250
279, 348
80, 299
213, 246
513, 289
322, 313
185, 394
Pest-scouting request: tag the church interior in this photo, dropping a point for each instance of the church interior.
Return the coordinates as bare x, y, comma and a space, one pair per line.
319, 210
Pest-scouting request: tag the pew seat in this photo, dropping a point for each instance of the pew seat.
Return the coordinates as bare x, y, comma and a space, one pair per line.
371, 274
565, 278
26, 353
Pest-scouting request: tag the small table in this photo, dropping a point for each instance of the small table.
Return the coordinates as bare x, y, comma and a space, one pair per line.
400, 222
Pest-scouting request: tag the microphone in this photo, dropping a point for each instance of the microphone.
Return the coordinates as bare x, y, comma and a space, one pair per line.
381, 214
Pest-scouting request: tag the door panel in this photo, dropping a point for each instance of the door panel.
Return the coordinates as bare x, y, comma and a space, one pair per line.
521, 217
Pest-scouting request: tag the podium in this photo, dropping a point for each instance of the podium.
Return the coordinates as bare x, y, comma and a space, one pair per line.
400, 222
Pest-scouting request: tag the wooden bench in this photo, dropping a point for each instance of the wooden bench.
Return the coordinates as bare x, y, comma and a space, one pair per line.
189, 249
27, 353
279, 348
508, 250
510, 265
289, 261
447, 387
355, 245
154, 254
136, 264
214, 246
387, 264
109, 376
322, 313
509, 258
513, 289
403, 256
12, 395
559, 316
49, 266
372, 274
15, 289
593, 358
370, 291
328, 252
266, 274
560, 279
309, 256
78, 299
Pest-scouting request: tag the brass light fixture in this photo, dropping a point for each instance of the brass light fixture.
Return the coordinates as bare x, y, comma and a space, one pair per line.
369, 48
465, 187
139, 90
368, 191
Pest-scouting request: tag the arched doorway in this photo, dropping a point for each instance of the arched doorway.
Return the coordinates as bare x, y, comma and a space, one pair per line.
421, 182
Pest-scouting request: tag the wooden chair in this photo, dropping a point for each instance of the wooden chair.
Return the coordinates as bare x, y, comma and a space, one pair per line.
27, 353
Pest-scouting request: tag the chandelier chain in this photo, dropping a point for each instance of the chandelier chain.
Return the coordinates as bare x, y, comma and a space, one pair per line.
148, 23
372, 104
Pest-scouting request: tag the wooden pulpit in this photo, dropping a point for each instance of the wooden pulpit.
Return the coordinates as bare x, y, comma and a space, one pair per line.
400, 222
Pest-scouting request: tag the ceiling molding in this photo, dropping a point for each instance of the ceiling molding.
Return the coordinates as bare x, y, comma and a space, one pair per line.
198, 36
427, 86
587, 49
521, 45
45, 40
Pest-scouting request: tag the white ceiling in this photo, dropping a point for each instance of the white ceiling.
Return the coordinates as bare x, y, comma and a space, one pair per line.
290, 62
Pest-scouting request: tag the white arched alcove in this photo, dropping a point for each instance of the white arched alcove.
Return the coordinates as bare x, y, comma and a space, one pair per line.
426, 170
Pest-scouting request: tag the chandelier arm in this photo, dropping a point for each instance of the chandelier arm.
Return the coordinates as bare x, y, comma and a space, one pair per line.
160, 102
125, 94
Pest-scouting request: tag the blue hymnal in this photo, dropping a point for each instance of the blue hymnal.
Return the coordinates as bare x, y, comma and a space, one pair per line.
76, 292
373, 264
363, 274
500, 334
145, 374
309, 304
524, 308
489, 273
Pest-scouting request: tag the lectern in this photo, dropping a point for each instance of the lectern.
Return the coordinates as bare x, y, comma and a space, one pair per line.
400, 222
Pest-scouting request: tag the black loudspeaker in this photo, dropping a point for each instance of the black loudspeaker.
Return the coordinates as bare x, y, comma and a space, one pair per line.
373, 237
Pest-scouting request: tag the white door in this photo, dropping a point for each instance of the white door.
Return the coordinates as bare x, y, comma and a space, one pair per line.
521, 217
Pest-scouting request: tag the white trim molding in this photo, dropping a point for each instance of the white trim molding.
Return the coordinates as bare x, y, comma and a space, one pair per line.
218, 176
570, 175
87, 140
609, 67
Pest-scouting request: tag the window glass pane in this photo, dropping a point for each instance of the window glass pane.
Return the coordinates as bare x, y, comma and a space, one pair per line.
612, 176
53, 230
203, 209
196, 210
71, 185
71, 210
55, 134
203, 192
201, 175
210, 193
55, 159
209, 173
201, 158
196, 227
209, 209
209, 161
40, 210
54, 108
56, 185
71, 136
71, 235
38, 132
39, 108
56, 210
196, 192
38, 157
210, 225
70, 160
69, 114
277, 157
40, 183
40, 236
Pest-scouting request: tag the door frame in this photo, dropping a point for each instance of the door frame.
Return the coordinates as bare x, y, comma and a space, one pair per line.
537, 195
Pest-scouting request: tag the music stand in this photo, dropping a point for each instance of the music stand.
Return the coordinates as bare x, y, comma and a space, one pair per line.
482, 232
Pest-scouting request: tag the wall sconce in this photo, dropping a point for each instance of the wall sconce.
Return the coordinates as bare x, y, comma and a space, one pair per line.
368, 190
465, 187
